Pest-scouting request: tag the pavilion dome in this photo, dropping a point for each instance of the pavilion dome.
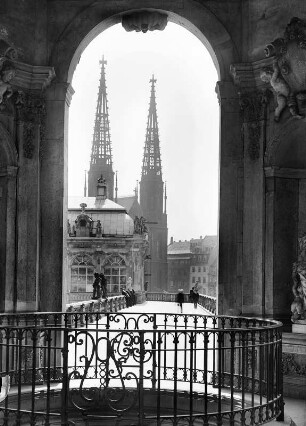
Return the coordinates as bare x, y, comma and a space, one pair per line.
113, 218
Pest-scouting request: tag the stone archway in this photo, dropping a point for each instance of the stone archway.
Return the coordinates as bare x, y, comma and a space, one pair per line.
65, 52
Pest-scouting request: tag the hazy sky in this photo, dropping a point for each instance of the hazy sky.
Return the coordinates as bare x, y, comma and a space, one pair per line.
188, 118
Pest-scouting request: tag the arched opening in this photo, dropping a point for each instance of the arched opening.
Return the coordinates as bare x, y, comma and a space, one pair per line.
189, 137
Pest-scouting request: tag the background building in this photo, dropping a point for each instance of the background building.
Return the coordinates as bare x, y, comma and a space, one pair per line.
201, 257
179, 259
191, 261
102, 238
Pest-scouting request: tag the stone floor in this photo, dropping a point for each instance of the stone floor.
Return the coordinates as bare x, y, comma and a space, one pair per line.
295, 412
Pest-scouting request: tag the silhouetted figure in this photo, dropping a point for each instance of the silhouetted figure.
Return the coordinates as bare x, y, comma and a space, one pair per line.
195, 297
127, 298
96, 287
103, 284
180, 298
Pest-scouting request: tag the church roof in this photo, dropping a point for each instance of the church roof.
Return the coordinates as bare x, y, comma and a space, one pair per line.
131, 205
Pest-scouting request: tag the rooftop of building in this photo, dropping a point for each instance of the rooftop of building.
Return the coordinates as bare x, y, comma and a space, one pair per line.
74, 203
113, 217
180, 247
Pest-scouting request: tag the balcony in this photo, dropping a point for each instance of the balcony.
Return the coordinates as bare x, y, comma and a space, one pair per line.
143, 365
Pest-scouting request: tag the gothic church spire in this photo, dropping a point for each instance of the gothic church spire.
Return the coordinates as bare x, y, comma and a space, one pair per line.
151, 165
101, 162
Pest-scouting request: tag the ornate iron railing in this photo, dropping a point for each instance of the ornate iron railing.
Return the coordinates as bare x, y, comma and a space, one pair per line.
111, 304
140, 369
207, 302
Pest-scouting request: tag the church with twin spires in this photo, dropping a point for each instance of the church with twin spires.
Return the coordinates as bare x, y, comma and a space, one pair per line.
120, 236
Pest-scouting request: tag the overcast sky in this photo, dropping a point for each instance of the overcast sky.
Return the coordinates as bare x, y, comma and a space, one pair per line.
188, 118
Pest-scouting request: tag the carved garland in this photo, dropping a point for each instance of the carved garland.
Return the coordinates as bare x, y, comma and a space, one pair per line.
290, 366
31, 111
253, 108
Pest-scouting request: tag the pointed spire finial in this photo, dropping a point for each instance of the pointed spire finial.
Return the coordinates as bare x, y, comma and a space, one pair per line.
116, 187
151, 160
165, 200
85, 184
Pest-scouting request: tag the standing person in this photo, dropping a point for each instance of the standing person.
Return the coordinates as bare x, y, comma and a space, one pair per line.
191, 295
103, 283
96, 286
196, 294
180, 299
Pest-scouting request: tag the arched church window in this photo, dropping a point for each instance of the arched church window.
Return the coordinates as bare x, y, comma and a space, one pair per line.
82, 274
115, 273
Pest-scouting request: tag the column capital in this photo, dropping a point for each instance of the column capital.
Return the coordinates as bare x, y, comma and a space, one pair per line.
246, 75
31, 77
60, 91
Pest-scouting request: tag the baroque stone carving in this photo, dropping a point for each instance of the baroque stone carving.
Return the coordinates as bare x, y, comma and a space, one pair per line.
290, 366
28, 137
7, 72
288, 77
29, 107
284, 96
298, 306
139, 225
144, 21
253, 107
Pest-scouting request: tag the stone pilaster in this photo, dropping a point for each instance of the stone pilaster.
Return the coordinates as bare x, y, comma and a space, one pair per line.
9, 174
253, 108
53, 196
254, 98
30, 119
24, 114
231, 199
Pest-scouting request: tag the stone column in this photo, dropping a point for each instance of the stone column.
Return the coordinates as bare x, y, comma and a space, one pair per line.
231, 201
253, 106
53, 195
30, 116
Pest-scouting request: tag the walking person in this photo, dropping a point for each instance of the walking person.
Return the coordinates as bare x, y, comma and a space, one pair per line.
180, 299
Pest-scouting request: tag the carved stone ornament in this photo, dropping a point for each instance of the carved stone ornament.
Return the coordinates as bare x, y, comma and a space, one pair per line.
253, 105
298, 306
29, 107
28, 140
288, 76
290, 366
144, 21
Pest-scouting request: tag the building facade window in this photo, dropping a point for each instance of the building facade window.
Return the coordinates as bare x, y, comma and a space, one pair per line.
82, 274
193, 269
199, 268
193, 280
115, 274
